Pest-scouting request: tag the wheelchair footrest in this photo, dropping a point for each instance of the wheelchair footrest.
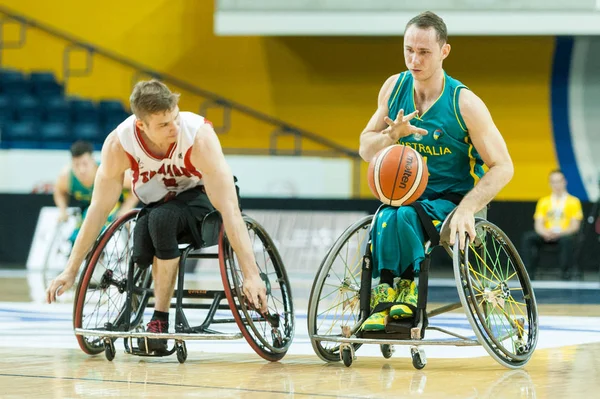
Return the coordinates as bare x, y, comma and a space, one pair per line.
401, 326
394, 329
138, 352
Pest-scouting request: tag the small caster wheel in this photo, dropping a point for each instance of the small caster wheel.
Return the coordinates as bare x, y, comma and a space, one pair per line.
109, 350
418, 358
181, 352
347, 357
387, 350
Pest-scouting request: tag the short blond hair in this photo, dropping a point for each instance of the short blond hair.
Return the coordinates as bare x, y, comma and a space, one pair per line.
150, 97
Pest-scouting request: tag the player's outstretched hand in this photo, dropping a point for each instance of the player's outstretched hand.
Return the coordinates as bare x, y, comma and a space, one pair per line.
401, 127
59, 285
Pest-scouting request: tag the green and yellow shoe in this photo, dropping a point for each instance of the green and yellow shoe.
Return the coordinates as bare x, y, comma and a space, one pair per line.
407, 295
379, 294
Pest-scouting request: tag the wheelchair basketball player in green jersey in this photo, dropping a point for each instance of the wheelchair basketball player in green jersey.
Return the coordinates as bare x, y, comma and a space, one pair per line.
453, 130
77, 181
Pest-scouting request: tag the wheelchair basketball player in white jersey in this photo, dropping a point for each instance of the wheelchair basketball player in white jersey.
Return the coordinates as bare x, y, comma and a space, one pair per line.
180, 175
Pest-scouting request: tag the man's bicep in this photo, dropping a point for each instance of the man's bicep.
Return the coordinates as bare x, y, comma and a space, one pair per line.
486, 137
108, 186
208, 157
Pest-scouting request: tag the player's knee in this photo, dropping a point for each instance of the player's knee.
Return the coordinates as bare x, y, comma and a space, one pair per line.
406, 214
164, 225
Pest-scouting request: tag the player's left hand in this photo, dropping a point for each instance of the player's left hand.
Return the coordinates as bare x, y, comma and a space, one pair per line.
463, 223
256, 292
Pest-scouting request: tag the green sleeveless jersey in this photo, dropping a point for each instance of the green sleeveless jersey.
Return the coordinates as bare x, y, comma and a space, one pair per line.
79, 191
454, 164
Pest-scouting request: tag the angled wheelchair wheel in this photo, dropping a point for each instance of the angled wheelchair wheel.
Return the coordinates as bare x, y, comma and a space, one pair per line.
496, 293
101, 295
334, 302
269, 335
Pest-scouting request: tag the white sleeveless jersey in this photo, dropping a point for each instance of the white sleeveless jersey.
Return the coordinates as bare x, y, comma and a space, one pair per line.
154, 177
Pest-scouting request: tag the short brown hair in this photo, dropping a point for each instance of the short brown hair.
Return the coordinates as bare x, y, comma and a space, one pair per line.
81, 147
430, 19
150, 97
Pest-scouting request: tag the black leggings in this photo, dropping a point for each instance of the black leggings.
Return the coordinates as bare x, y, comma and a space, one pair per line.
160, 226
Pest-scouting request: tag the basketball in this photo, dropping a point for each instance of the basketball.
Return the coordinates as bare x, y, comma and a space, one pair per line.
397, 175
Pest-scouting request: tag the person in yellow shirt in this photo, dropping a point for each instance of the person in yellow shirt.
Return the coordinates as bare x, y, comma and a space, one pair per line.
557, 219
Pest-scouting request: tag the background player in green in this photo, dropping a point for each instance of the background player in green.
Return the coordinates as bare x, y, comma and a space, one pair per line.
453, 130
77, 181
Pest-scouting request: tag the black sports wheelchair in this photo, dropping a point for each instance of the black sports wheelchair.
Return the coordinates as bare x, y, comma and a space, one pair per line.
113, 293
493, 287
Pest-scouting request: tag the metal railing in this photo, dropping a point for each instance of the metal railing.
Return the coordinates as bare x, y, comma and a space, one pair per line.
281, 129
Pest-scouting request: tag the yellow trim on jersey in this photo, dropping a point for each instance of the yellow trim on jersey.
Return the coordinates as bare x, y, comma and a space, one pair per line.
472, 161
398, 89
431, 106
454, 104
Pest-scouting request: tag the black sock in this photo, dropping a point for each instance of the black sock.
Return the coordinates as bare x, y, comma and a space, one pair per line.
162, 316
408, 274
387, 277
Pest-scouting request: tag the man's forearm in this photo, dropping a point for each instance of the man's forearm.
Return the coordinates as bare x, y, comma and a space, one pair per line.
487, 188
90, 229
372, 142
237, 234
60, 200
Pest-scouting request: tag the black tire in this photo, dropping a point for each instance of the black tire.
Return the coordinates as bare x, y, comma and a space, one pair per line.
347, 357
181, 352
109, 350
101, 295
417, 361
348, 291
387, 350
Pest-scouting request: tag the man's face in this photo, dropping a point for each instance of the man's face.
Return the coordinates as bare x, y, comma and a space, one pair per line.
558, 183
84, 166
162, 127
423, 54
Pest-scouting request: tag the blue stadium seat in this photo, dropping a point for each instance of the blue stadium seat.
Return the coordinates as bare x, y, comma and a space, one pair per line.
13, 82
6, 110
44, 84
27, 108
87, 131
20, 135
55, 132
83, 111
112, 113
56, 109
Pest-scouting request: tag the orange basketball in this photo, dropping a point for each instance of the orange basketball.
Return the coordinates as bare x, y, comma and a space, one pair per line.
397, 175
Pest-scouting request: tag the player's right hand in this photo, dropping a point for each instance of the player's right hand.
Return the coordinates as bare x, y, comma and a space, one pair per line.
60, 284
401, 127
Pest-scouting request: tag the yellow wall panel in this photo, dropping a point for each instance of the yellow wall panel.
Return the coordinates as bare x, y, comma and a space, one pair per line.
325, 85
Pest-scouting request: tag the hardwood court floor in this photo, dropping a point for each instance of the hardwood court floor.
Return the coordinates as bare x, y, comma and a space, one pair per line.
567, 372
39, 358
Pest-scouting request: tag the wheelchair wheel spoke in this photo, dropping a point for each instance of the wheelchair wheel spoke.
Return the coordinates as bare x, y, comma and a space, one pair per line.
496, 291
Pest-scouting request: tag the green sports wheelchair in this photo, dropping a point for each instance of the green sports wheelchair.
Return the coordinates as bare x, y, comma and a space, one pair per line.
493, 287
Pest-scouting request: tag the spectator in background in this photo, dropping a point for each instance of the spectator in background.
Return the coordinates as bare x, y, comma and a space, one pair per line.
556, 221
76, 181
